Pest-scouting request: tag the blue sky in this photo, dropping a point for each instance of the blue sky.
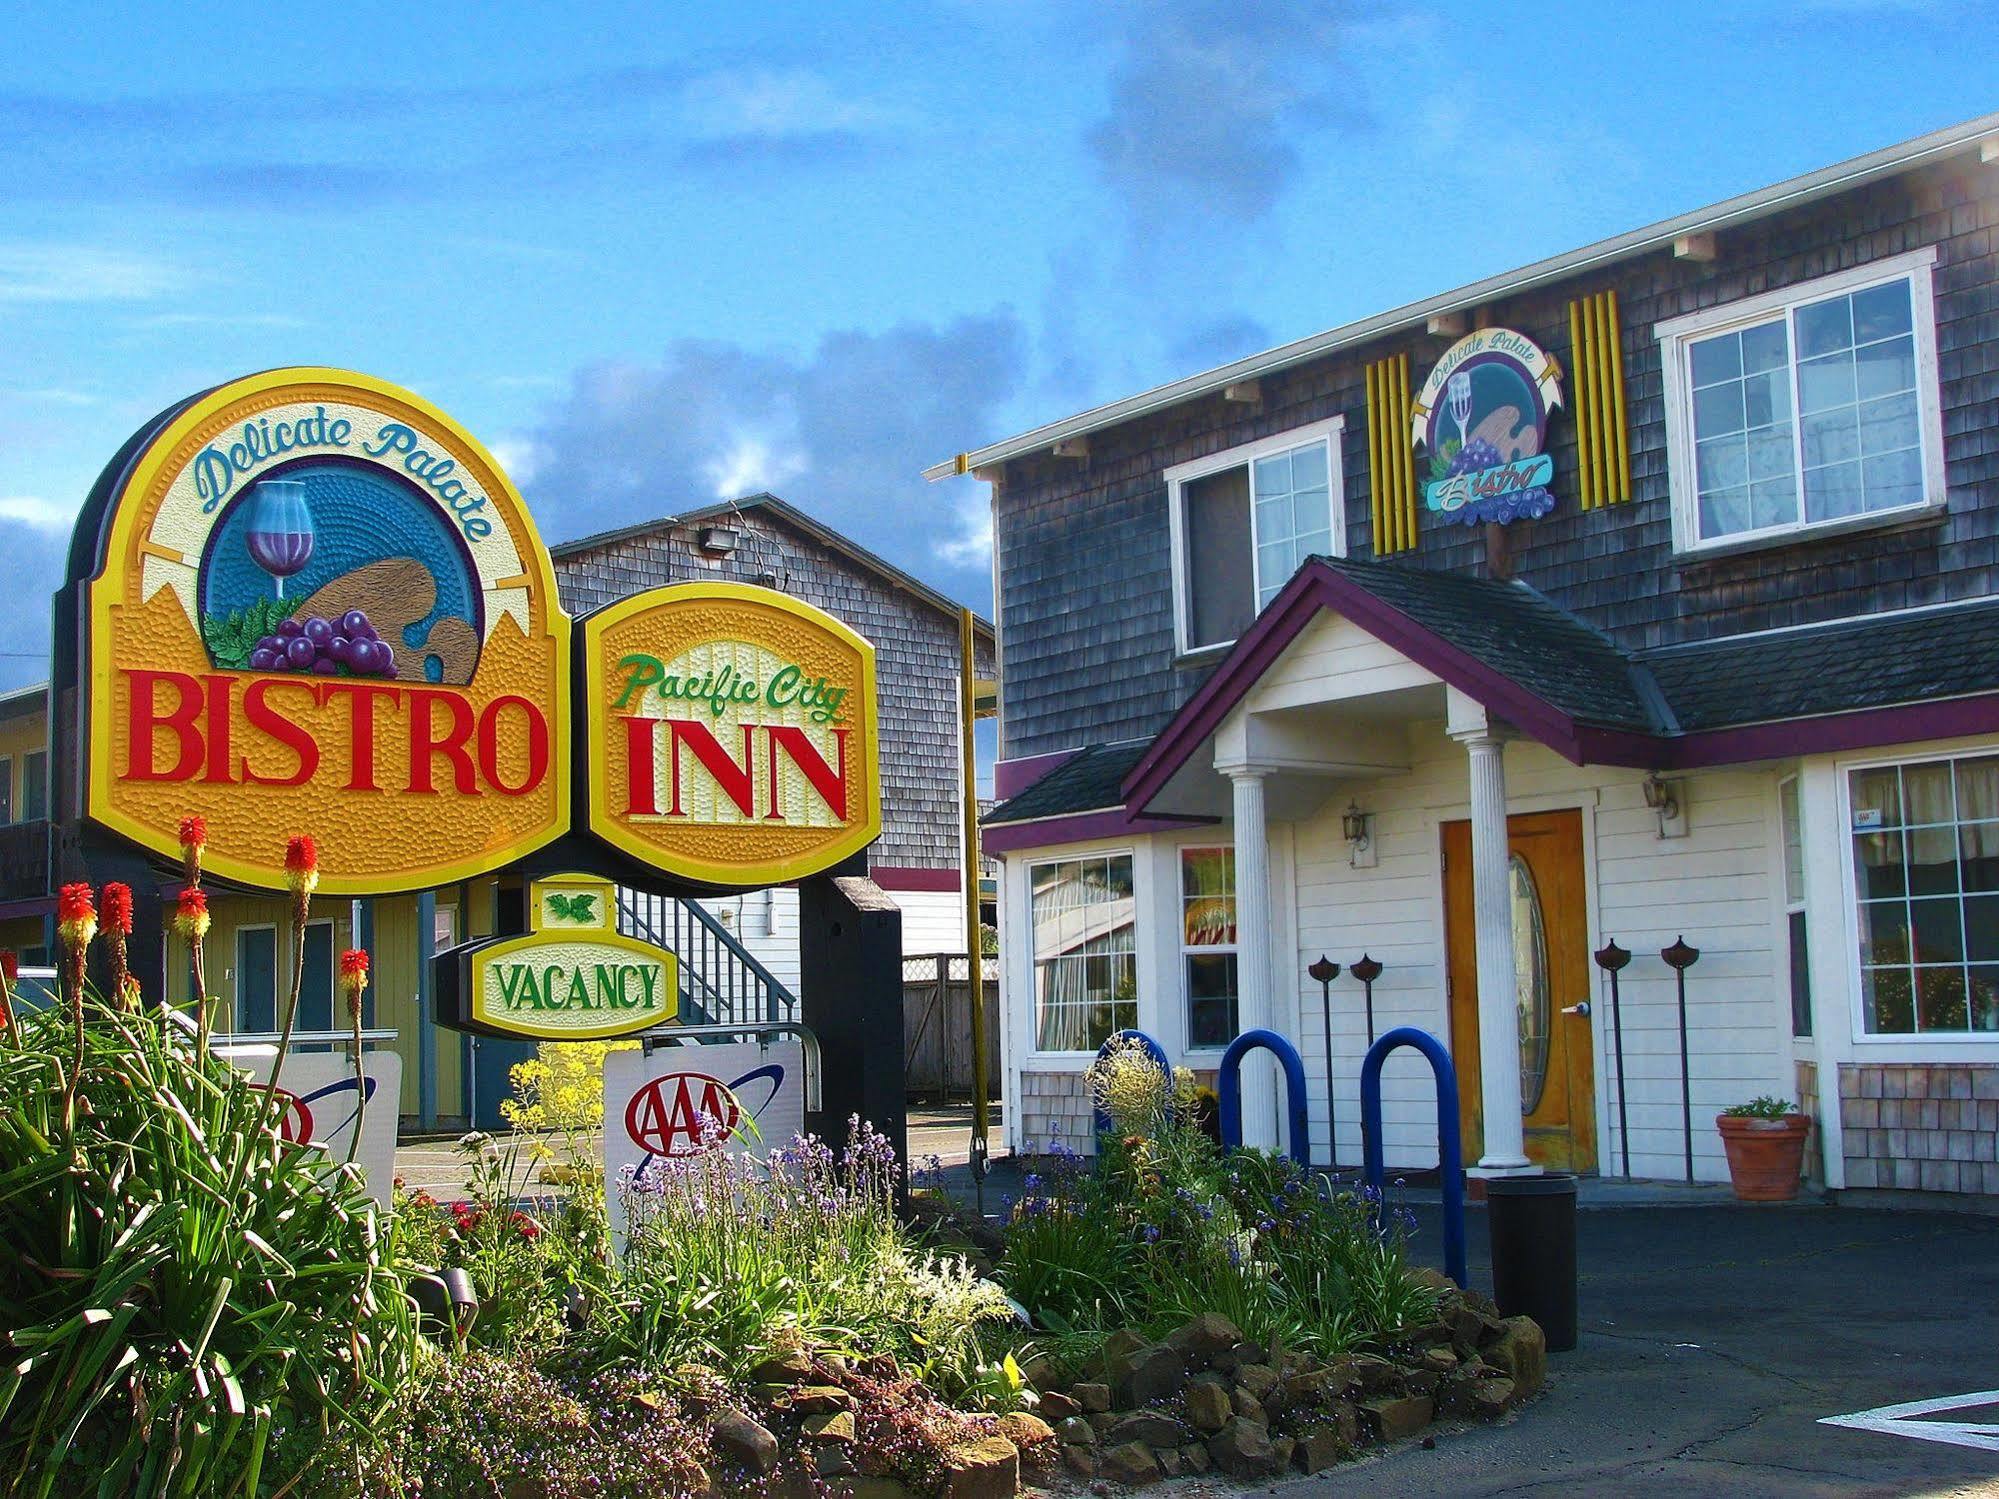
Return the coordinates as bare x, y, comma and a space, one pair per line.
658, 254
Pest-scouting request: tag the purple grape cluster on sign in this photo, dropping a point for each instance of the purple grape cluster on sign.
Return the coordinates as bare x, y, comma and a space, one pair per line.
348, 645
1473, 456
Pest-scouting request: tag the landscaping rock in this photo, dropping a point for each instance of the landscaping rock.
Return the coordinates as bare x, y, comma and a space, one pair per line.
1281, 1448
1208, 1405
1195, 1459
1317, 1450
1435, 1280
1375, 1376
1394, 1418
832, 1461
1204, 1337
1242, 1450
1092, 1397
1076, 1432
1491, 1398
1025, 1429
1250, 1408
1101, 1421
1440, 1360
1521, 1352
810, 1400
1152, 1373
744, 1442
1082, 1461
1169, 1461
829, 1426
981, 1468
1057, 1407
1117, 1351
1258, 1379
786, 1369
1132, 1463
1154, 1428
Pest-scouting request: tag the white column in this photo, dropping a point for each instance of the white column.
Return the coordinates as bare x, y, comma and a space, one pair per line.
1253, 973
1498, 996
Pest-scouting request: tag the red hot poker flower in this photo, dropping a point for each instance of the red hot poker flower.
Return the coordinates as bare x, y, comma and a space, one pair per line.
191, 913
10, 967
118, 909
301, 864
193, 834
354, 968
76, 916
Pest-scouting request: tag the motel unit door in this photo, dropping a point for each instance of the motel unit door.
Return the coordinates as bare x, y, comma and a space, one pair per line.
1551, 963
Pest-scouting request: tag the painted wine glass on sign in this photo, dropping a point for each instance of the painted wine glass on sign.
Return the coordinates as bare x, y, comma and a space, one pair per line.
280, 534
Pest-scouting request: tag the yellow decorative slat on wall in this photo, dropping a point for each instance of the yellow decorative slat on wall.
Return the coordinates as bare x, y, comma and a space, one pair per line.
1391, 460
1603, 446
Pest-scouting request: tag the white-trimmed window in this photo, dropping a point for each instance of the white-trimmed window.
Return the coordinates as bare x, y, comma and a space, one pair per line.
1208, 944
1084, 912
1244, 520
1791, 815
1811, 408
1925, 838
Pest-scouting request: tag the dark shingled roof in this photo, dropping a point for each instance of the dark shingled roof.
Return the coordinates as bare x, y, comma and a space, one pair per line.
1516, 632
1088, 781
1839, 668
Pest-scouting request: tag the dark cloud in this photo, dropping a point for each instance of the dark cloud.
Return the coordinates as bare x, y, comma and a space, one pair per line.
1209, 100
1221, 342
843, 433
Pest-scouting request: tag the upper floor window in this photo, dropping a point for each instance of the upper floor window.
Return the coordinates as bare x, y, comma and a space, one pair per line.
1807, 408
1242, 523
35, 785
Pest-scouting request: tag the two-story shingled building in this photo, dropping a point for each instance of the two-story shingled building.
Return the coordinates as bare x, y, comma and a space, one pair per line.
1648, 592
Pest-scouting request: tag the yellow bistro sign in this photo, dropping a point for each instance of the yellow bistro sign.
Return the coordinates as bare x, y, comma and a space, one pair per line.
732, 732
321, 607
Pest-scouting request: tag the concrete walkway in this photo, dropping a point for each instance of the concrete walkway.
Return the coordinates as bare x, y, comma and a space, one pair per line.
1714, 1339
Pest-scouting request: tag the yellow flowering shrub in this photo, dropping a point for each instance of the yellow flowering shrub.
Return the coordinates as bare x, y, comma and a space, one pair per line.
561, 1088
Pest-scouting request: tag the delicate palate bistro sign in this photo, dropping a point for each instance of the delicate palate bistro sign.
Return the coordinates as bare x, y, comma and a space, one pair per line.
320, 605
574, 977
1482, 416
732, 734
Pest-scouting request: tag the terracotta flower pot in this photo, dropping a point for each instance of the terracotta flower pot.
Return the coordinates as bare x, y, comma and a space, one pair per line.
1765, 1156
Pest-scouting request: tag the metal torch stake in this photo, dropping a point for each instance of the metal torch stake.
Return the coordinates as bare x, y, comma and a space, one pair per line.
1611, 959
1325, 971
1680, 957
1367, 971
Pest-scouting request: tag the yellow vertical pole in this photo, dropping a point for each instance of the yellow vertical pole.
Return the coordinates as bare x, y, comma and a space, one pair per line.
1606, 435
1402, 449
1622, 434
1375, 420
975, 991
1578, 396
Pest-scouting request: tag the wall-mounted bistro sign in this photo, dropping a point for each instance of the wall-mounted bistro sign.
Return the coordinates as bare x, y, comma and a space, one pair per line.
732, 733
1482, 416
321, 606
574, 977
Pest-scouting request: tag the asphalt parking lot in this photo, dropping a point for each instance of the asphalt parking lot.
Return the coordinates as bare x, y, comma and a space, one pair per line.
1713, 1342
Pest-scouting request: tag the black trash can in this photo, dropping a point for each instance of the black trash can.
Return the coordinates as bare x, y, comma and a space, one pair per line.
1533, 1228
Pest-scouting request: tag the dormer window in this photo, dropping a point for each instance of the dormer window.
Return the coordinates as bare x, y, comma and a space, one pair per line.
1814, 408
1243, 520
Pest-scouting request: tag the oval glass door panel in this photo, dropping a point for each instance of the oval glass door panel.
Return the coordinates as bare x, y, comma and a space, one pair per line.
1530, 977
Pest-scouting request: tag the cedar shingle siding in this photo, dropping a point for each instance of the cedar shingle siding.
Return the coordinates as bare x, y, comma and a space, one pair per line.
916, 645
1085, 579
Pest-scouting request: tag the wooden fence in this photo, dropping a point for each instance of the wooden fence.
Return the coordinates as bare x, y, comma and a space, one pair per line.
937, 1026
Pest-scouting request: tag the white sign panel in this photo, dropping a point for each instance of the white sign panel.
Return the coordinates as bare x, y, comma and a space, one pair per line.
322, 1104
654, 1105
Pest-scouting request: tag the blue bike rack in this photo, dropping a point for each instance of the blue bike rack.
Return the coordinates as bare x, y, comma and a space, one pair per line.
1450, 1146
1230, 1099
1102, 1121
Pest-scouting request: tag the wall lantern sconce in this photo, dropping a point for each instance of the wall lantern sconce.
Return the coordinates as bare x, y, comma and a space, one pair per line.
1358, 827
717, 541
1669, 800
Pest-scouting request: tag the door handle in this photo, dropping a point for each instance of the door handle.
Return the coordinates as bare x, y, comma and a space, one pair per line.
1580, 1009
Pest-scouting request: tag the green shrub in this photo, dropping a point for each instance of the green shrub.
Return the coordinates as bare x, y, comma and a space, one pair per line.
1765, 1107
180, 1285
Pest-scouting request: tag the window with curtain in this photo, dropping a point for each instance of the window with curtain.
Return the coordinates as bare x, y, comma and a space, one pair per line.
1085, 951
1244, 521
1208, 944
1812, 407
1794, 906
1926, 876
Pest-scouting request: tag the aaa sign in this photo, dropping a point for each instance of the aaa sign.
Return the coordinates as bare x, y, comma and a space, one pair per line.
733, 733
319, 604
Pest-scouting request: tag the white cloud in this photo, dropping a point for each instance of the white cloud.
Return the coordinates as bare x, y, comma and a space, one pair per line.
519, 456
973, 545
749, 464
79, 273
776, 102
221, 320
37, 513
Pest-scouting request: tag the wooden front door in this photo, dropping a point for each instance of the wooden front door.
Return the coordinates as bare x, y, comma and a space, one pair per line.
1551, 963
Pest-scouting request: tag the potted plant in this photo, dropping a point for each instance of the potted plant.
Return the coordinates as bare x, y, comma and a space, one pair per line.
1765, 1141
